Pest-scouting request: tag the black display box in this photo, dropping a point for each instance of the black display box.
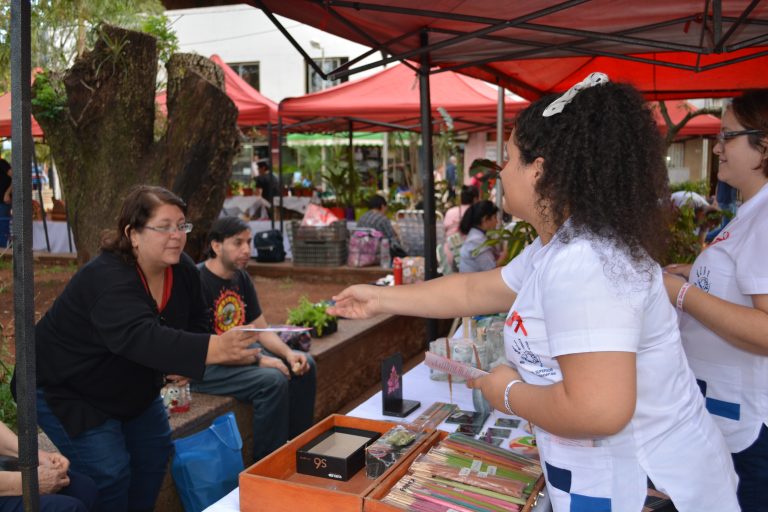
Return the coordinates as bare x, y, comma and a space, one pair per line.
337, 453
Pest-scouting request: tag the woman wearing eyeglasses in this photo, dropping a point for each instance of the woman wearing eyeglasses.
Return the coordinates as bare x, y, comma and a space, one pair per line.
129, 316
724, 301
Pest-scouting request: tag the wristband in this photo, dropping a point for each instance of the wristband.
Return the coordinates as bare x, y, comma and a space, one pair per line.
506, 395
681, 295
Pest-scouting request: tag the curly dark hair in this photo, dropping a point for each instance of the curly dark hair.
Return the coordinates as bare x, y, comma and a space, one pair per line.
603, 167
751, 110
138, 206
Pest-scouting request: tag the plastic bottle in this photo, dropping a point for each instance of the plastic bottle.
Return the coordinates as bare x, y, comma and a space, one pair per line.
397, 270
385, 259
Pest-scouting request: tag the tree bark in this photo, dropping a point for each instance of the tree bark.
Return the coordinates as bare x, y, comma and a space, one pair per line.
103, 137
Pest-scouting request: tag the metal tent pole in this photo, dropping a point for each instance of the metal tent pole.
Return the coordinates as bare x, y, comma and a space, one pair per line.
428, 180
500, 147
23, 282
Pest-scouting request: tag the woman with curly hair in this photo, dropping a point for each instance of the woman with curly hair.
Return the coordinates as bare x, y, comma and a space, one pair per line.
592, 341
723, 300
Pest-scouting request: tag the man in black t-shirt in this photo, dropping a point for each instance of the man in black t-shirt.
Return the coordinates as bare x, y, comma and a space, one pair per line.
281, 384
267, 182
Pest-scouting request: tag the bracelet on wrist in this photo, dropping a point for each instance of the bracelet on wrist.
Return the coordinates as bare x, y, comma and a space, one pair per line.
506, 395
681, 296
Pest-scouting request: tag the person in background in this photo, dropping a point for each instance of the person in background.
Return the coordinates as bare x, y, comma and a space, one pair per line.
376, 218
6, 191
723, 298
448, 253
450, 175
477, 220
128, 317
267, 183
598, 365
705, 217
61, 490
281, 383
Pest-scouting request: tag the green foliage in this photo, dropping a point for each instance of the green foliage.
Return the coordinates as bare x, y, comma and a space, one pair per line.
61, 29
7, 404
700, 187
684, 241
516, 239
308, 314
342, 177
167, 42
50, 96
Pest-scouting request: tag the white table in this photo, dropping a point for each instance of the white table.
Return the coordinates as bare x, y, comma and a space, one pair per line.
253, 206
416, 386
57, 236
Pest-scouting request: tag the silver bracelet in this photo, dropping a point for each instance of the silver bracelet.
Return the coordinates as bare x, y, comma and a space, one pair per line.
506, 395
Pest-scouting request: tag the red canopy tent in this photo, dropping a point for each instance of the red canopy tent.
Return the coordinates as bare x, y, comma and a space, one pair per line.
668, 49
254, 108
5, 118
392, 97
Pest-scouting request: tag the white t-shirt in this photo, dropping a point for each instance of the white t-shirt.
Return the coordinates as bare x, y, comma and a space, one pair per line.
733, 268
582, 297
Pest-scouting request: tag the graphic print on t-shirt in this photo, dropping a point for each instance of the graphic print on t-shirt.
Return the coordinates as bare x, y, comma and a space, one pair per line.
228, 311
702, 278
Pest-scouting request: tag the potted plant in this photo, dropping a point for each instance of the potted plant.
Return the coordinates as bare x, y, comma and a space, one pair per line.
313, 315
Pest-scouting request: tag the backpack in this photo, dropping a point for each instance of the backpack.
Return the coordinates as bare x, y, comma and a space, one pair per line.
269, 246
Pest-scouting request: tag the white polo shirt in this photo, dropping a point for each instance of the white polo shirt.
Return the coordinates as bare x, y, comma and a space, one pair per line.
584, 296
735, 382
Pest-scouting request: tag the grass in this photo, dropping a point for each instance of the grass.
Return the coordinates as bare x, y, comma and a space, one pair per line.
7, 403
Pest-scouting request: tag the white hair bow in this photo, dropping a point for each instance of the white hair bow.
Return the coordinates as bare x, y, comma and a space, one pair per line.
559, 104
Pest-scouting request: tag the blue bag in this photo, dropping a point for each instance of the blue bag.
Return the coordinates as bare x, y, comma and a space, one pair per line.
206, 465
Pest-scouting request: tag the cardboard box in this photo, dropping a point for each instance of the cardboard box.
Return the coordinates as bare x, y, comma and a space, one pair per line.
338, 453
273, 483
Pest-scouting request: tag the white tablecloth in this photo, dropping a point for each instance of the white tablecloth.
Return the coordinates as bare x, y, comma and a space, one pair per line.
416, 386
57, 236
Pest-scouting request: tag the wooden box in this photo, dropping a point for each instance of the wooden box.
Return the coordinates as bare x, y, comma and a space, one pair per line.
273, 483
373, 501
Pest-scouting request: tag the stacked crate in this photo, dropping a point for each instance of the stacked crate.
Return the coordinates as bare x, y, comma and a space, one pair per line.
319, 246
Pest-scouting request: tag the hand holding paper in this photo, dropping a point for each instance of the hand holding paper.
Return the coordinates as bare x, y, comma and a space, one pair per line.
452, 367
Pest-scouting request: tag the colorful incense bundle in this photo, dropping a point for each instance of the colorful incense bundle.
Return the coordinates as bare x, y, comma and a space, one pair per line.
462, 474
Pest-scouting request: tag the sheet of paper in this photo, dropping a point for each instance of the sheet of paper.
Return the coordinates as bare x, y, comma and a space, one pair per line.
444, 364
275, 328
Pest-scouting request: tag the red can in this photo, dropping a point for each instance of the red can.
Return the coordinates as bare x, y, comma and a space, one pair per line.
397, 270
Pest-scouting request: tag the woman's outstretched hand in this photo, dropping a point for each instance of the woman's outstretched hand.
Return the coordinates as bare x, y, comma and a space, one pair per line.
233, 347
358, 301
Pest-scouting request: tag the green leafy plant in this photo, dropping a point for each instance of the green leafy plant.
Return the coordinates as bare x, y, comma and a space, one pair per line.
700, 187
49, 96
343, 178
517, 238
310, 314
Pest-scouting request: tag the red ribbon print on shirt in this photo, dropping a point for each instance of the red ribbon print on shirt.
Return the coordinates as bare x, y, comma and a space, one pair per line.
515, 317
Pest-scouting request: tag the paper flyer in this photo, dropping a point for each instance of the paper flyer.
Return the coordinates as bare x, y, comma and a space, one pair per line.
275, 328
455, 368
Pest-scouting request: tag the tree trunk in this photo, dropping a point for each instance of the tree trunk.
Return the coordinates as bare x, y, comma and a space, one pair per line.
103, 137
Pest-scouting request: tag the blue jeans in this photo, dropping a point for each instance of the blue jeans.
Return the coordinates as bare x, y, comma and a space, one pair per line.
126, 459
752, 467
282, 408
79, 496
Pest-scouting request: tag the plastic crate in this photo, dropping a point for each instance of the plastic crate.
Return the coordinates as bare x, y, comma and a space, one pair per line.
334, 233
319, 253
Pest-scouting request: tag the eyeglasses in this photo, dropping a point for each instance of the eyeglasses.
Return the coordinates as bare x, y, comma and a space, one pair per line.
167, 230
724, 136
